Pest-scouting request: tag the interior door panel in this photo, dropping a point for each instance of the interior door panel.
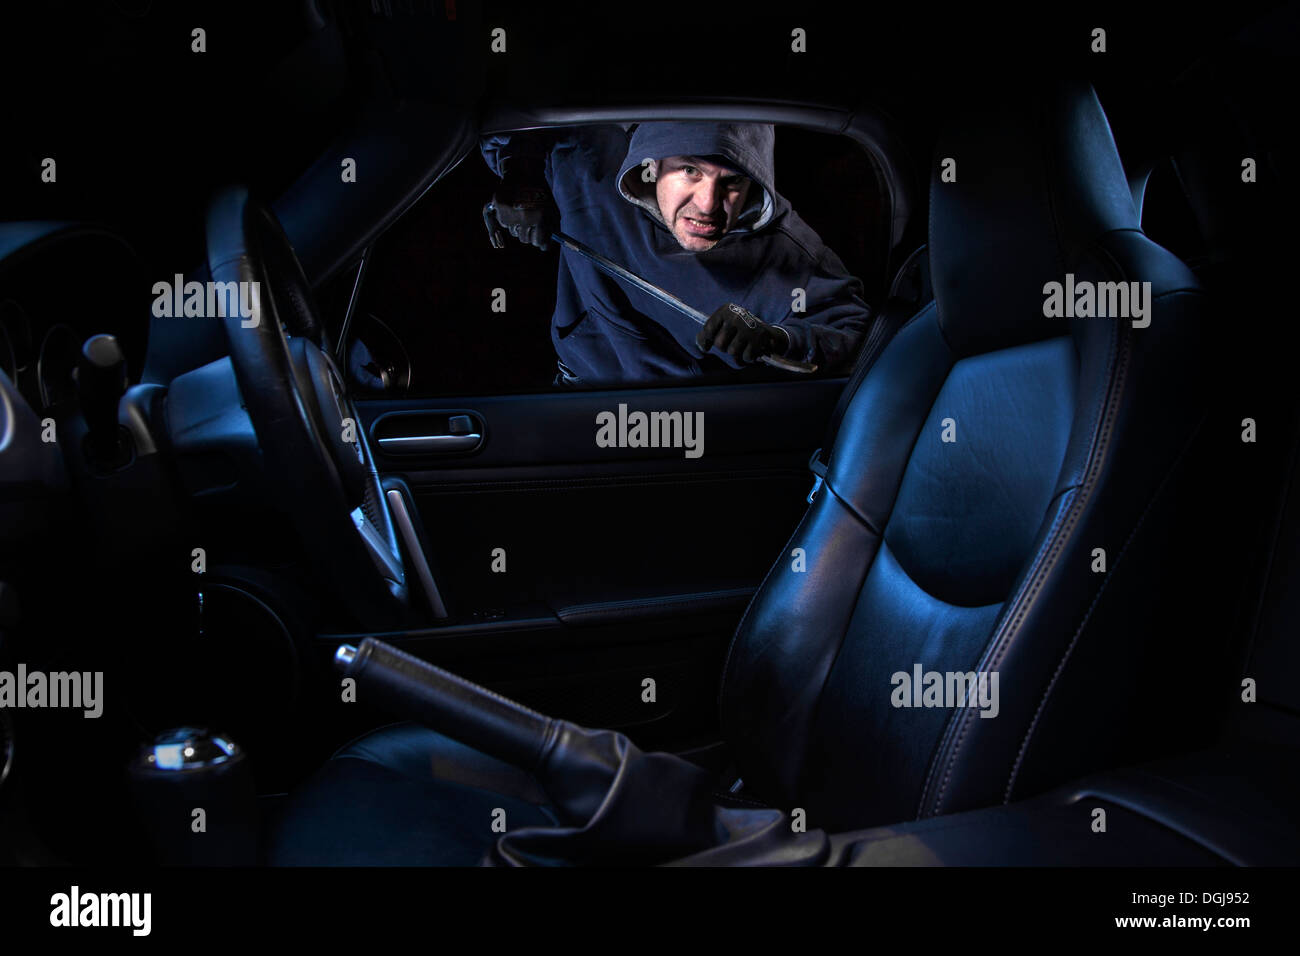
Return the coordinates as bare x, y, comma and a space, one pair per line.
565, 564
581, 524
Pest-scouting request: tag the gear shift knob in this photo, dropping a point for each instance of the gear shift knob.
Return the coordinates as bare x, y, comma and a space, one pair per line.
195, 795
101, 382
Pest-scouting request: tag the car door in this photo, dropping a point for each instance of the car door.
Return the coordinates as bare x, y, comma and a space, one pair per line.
587, 577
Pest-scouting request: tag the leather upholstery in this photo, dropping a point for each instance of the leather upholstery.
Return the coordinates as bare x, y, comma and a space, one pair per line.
976, 554
404, 796
1233, 805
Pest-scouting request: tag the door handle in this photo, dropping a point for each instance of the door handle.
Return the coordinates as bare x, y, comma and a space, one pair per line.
426, 434
421, 444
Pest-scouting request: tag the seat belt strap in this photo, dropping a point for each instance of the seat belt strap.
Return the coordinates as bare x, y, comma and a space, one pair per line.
913, 277
889, 320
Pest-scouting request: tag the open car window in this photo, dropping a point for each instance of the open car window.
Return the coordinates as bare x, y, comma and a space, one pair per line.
797, 237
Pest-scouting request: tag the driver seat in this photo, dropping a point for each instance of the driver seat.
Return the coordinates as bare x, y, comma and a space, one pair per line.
994, 503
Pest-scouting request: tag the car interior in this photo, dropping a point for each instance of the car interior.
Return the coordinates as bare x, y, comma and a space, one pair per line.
355, 578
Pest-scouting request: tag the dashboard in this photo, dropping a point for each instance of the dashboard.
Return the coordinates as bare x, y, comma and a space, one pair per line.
42, 369
60, 283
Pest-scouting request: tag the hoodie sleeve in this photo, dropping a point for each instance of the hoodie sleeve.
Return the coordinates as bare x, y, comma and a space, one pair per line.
502, 149
602, 145
835, 319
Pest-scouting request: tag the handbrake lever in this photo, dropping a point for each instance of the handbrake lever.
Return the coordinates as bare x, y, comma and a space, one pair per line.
451, 705
615, 804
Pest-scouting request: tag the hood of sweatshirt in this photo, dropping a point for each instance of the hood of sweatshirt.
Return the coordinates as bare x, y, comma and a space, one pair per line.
745, 147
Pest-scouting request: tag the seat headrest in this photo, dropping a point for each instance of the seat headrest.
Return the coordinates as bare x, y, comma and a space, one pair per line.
1038, 180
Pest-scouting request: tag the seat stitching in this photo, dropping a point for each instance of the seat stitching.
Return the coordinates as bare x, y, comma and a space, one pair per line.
866, 523
1034, 582
741, 627
1043, 562
1001, 639
1065, 657
1001, 642
1066, 523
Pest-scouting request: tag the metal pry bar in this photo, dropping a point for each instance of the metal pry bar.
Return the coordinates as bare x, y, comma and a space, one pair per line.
612, 268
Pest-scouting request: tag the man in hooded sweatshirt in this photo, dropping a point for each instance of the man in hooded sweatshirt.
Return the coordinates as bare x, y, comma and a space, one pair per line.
691, 207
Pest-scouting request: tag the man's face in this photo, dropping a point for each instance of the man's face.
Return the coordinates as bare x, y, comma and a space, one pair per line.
699, 200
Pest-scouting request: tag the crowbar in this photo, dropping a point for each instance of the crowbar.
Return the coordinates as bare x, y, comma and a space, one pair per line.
612, 268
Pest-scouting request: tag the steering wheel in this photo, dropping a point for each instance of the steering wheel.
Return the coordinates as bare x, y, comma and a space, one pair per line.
318, 462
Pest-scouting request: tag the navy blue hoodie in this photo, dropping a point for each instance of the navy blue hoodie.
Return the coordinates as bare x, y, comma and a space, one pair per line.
606, 331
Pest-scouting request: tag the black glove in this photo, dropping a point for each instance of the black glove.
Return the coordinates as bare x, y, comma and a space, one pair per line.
737, 331
522, 206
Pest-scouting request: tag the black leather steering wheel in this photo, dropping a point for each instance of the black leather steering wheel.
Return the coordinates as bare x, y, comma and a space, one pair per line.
317, 459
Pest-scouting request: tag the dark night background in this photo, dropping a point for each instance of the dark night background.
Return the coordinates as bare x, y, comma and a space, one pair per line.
144, 130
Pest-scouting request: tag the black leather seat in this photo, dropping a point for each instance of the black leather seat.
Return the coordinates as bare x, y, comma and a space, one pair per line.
971, 554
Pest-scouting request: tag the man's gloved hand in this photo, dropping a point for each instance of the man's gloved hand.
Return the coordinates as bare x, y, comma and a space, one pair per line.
522, 206
737, 331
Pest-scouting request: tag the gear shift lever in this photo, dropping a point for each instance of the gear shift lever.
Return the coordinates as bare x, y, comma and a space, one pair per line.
101, 382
